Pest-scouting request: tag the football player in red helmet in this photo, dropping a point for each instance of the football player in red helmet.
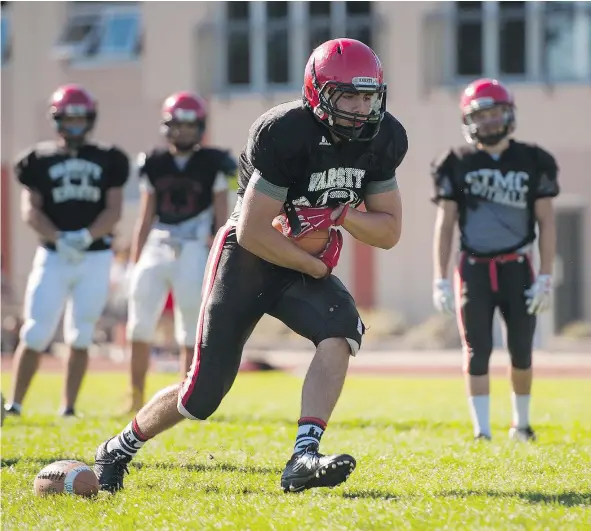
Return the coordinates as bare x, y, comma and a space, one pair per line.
73, 111
497, 190
313, 161
183, 198
72, 198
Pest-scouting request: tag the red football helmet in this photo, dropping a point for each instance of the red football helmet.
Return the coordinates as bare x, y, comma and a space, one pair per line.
486, 94
184, 107
73, 101
345, 66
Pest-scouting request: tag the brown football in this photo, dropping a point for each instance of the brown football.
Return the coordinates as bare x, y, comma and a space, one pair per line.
314, 243
69, 477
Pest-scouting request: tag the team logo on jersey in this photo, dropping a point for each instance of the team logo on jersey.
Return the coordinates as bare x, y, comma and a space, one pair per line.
339, 195
506, 189
77, 178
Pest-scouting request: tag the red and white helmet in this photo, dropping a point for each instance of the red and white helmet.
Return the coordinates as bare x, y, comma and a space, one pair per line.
72, 101
345, 65
184, 107
486, 94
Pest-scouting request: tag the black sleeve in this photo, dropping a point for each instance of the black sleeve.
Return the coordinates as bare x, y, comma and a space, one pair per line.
444, 185
25, 169
270, 150
391, 156
228, 164
547, 173
119, 168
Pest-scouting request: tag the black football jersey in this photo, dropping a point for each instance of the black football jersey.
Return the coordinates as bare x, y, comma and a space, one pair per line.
495, 195
184, 192
73, 188
294, 157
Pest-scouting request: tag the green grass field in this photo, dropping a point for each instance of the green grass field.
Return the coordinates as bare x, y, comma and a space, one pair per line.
417, 465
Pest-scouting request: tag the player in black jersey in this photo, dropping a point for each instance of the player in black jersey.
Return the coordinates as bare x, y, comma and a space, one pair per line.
498, 191
318, 159
183, 196
72, 198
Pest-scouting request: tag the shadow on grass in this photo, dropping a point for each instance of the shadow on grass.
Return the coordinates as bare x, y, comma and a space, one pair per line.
215, 466
567, 499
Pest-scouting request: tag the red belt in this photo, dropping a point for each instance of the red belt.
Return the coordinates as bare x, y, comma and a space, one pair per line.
492, 265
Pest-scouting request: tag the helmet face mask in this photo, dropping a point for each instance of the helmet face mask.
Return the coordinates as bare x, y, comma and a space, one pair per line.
488, 112
73, 111
183, 120
344, 88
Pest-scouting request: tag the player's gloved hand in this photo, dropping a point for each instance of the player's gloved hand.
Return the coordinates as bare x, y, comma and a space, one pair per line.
538, 296
332, 251
315, 219
78, 239
443, 296
67, 252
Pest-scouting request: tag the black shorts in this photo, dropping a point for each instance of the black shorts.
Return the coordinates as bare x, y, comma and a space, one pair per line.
482, 286
238, 289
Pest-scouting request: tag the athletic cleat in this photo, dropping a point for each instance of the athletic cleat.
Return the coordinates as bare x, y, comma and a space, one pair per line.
9, 409
482, 437
522, 434
67, 412
110, 467
308, 469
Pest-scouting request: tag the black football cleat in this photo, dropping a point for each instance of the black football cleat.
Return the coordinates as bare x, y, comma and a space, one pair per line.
110, 467
308, 469
482, 437
522, 434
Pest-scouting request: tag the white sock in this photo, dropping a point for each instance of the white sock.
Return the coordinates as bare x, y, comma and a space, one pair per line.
479, 411
520, 410
129, 441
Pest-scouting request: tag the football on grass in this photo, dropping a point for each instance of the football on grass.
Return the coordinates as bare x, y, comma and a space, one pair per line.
313, 243
68, 477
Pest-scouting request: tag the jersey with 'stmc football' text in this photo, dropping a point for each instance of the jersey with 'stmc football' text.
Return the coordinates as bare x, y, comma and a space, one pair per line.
73, 186
292, 156
496, 194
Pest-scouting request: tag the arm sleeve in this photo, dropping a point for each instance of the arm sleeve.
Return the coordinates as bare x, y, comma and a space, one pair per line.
547, 181
271, 156
385, 179
25, 169
119, 169
141, 164
444, 185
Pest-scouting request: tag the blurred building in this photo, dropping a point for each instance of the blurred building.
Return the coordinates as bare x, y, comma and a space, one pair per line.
246, 57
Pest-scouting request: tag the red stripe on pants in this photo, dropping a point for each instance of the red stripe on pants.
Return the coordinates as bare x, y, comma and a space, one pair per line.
210, 273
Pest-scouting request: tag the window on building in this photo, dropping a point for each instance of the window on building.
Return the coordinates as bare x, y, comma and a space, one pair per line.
277, 45
527, 40
512, 38
262, 48
359, 22
319, 23
238, 63
5, 40
469, 37
558, 56
101, 31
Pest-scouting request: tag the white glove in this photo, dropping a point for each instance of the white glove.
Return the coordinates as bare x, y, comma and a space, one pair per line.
538, 296
67, 252
78, 239
443, 296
